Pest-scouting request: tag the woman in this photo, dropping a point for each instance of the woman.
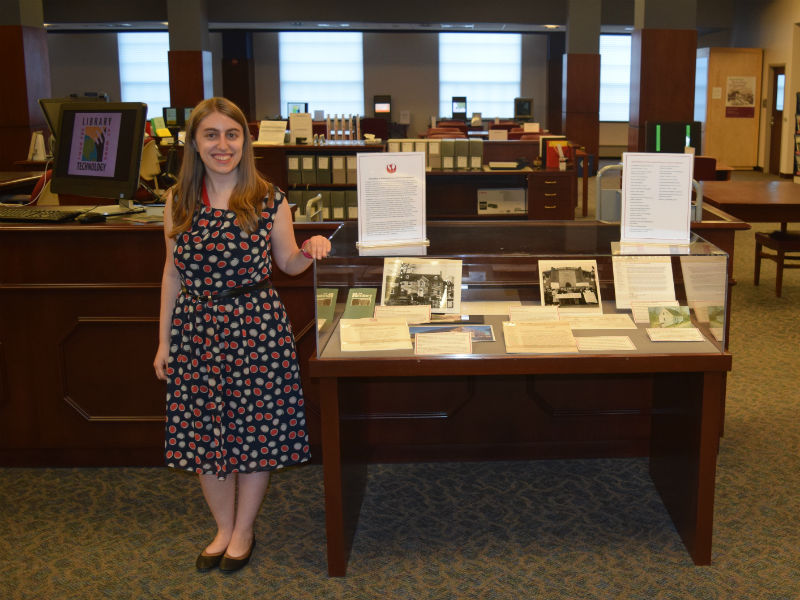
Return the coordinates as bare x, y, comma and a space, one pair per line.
235, 407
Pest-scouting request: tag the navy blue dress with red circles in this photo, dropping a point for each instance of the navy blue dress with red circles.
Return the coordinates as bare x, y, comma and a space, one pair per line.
234, 399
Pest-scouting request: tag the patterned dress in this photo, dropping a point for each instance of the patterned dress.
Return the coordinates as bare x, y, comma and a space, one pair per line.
234, 401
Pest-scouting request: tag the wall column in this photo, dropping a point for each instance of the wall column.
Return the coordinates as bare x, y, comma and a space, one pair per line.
555, 71
26, 67
238, 71
663, 59
190, 70
581, 81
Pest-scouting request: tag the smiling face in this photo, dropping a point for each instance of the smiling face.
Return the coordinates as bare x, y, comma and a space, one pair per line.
219, 141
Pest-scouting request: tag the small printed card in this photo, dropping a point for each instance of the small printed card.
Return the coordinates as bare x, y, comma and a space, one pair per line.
446, 342
681, 334
415, 313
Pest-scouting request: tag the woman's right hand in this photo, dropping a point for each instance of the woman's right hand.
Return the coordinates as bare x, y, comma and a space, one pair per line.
160, 361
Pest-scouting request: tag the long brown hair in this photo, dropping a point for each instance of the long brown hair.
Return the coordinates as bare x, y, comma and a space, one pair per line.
250, 190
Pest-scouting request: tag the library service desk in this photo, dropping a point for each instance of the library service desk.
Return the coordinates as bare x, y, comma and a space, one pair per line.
661, 399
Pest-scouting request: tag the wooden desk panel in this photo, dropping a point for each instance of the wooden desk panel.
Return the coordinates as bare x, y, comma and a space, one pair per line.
686, 392
755, 201
80, 308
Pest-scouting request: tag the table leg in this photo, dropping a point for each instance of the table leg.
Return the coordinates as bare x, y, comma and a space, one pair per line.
683, 453
344, 474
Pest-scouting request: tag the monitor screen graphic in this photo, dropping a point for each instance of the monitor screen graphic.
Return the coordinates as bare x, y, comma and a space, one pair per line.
94, 144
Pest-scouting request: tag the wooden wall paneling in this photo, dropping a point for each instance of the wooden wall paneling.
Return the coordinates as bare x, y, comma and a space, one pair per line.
663, 65
26, 67
189, 76
581, 108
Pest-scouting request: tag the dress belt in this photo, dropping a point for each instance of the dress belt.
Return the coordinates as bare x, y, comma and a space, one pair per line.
230, 292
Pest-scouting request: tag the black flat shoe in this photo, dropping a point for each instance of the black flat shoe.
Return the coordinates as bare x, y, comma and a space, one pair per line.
206, 562
230, 564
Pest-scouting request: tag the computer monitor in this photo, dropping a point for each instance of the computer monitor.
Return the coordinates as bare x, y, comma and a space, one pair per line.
523, 109
460, 107
51, 109
175, 117
672, 136
99, 149
383, 106
296, 107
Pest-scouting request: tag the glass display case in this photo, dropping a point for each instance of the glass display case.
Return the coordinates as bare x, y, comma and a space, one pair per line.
512, 285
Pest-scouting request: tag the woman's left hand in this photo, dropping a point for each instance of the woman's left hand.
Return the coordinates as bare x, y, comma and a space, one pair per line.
317, 247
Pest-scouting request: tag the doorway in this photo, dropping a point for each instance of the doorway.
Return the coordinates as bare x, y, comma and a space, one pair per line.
778, 76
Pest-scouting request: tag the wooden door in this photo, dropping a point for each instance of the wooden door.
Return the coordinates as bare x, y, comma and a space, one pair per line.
776, 119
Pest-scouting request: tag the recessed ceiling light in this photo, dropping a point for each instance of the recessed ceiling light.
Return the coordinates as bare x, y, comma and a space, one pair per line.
551, 26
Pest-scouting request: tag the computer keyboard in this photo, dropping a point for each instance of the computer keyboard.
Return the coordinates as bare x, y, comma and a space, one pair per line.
38, 214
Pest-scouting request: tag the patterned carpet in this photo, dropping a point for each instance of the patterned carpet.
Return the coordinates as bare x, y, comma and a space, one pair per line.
547, 529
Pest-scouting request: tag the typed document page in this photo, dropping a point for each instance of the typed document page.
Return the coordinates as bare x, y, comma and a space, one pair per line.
391, 198
656, 197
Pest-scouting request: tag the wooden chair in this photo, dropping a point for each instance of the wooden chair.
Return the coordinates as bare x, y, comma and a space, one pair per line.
705, 168
460, 125
444, 132
781, 242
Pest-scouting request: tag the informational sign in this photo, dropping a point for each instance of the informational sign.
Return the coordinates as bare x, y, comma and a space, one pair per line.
391, 199
740, 99
656, 197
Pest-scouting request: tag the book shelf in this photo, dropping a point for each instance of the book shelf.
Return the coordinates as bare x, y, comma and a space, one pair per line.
797, 138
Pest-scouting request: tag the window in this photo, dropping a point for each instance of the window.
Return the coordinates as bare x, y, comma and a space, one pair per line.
779, 91
324, 69
615, 77
484, 67
144, 69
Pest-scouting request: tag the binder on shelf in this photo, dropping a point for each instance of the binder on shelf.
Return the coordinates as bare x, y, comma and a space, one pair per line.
308, 169
407, 146
351, 203
448, 150
296, 198
327, 210
476, 154
293, 170
422, 146
338, 170
351, 168
323, 169
393, 145
461, 152
336, 201
435, 154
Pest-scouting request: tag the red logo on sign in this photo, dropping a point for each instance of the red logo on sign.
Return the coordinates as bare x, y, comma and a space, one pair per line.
391, 168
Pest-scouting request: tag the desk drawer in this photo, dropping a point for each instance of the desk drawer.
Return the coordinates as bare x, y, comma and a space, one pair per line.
552, 196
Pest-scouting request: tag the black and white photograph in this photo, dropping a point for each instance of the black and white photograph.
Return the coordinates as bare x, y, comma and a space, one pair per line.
432, 281
571, 285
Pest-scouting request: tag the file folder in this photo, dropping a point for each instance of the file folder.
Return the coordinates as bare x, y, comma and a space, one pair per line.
461, 151
338, 170
351, 169
435, 154
308, 169
351, 202
476, 154
338, 212
448, 149
323, 169
293, 170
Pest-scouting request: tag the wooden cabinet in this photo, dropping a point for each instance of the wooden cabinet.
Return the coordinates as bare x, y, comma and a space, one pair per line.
551, 195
